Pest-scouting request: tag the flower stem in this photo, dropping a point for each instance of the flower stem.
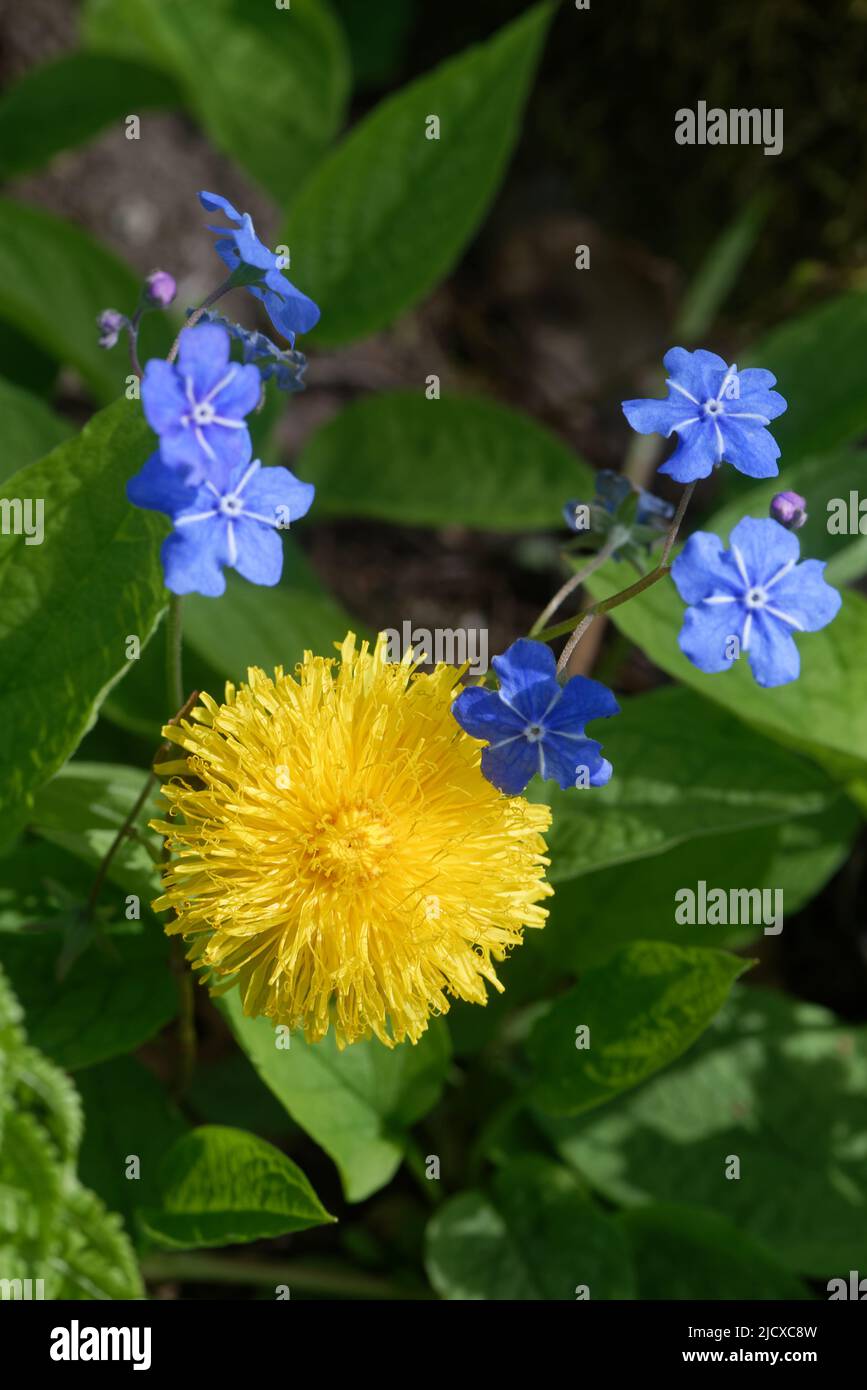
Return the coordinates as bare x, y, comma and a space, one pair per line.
578, 578
174, 640
577, 629
191, 322
131, 817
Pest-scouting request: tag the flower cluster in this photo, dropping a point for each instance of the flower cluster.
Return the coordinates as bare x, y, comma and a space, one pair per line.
627, 518
226, 509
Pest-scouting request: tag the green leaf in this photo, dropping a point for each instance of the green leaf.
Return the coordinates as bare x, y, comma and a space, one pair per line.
778, 1085
269, 85
537, 1236
83, 808
682, 769
400, 457
819, 478
113, 997
63, 103
221, 1186
823, 714
63, 645
30, 428
387, 215
54, 281
126, 1114
591, 917
641, 1010
252, 626
357, 1103
93, 1258
683, 1252
817, 361
719, 270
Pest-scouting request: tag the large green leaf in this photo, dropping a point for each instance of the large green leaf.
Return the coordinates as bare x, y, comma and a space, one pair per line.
127, 1114
93, 1257
355, 1103
682, 769
465, 460
778, 1085
221, 1186
387, 215
268, 84
641, 1010
252, 626
817, 361
67, 606
30, 428
823, 714
591, 917
113, 997
684, 1252
535, 1236
64, 103
54, 281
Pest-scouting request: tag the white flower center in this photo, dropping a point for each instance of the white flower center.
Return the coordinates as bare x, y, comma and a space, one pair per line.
231, 504
534, 733
713, 408
756, 597
203, 413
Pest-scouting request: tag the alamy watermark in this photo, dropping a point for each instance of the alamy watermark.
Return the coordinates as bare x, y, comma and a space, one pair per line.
737, 126
730, 907
23, 517
452, 646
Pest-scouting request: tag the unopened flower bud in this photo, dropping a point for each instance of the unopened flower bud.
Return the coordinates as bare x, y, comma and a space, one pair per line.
160, 289
789, 509
109, 323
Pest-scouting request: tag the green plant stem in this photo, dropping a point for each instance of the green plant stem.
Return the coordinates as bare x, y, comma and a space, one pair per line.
174, 665
221, 1269
578, 578
105, 864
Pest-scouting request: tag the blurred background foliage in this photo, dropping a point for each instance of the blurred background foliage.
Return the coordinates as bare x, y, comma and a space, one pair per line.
466, 271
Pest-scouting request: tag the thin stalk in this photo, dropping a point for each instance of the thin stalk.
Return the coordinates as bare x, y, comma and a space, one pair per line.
198, 1268
571, 584
105, 865
197, 314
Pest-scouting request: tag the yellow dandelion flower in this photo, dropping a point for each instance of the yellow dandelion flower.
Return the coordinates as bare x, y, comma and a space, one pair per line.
339, 851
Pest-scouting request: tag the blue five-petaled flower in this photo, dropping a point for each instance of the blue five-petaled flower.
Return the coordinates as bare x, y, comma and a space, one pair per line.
717, 413
198, 405
751, 598
234, 523
533, 724
239, 247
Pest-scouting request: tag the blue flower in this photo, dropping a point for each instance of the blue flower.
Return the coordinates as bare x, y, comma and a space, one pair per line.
716, 412
640, 523
198, 404
757, 593
534, 724
290, 311
235, 524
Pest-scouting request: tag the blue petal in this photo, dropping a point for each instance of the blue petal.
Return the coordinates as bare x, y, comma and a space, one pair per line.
162, 395
705, 632
230, 451
203, 355
527, 673
582, 699
696, 455
805, 595
160, 488
562, 757
757, 402
749, 447
482, 714
241, 394
179, 448
212, 202
700, 373
192, 558
765, 546
774, 658
258, 552
511, 765
251, 249
700, 570
276, 494
612, 488
659, 417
